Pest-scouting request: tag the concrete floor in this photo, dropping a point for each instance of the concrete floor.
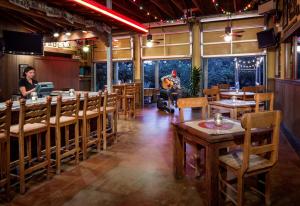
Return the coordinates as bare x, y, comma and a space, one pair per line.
138, 170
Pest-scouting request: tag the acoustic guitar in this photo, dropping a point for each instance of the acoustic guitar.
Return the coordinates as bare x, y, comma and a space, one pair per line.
167, 84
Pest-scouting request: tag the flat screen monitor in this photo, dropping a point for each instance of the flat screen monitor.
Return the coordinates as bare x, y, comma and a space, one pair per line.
266, 38
23, 43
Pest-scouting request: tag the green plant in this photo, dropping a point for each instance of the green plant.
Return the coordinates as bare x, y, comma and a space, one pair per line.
195, 83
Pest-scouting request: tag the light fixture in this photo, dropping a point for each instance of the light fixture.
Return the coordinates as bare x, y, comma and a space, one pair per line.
84, 31
68, 33
112, 14
149, 42
56, 34
86, 48
227, 37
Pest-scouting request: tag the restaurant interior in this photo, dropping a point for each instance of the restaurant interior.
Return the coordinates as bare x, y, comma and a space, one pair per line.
158, 102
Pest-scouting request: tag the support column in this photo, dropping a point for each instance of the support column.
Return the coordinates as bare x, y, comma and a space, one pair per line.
109, 55
156, 72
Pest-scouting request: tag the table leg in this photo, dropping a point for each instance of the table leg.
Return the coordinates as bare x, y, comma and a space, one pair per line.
233, 113
212, 175
178, 155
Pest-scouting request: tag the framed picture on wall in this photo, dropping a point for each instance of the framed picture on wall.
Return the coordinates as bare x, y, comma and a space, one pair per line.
21, 69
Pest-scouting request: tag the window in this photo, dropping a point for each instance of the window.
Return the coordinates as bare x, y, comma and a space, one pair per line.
122, 71
236, 71
154, 70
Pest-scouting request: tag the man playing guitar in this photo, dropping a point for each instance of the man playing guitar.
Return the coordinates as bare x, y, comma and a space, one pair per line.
171, 86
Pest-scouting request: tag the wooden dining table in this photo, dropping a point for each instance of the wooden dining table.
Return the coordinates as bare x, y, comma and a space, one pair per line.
232, 106
215, 140
239, 94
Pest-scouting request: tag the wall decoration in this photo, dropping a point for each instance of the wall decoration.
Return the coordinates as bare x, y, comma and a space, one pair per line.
21, 69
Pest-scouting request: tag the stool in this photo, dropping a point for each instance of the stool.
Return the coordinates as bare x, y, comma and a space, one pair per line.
5, 119
130, 96
91, 110
33, 120
66, 115
110, 109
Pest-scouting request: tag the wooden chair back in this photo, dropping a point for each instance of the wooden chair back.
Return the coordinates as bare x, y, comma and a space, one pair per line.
130, 89
5, 118
92, 103
224, 86
193, 102
266, 98
35, 113
68, 108
262, 120
212, 94
260, 88
248, 89
112, 100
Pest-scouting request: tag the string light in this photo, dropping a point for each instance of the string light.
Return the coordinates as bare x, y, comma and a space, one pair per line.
247, 7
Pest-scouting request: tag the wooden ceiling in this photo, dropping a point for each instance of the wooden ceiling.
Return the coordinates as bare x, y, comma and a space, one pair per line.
159, 10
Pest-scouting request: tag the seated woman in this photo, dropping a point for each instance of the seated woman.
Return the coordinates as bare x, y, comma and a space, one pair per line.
27, 84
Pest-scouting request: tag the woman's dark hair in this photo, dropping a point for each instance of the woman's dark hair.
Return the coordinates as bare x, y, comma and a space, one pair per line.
27, 69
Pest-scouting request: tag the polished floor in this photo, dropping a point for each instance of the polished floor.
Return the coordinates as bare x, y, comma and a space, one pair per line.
138, 170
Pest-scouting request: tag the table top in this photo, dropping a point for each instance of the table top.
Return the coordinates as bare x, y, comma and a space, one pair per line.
233, 103
237, 93
65, 96
191, 129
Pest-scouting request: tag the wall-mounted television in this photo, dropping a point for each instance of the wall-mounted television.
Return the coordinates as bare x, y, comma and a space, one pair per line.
266, 38
23, 43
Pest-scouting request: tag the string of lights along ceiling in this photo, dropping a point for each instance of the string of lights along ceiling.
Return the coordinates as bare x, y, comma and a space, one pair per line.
248, 5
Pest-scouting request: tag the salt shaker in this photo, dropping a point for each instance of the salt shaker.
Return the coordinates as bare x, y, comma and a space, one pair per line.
218, 119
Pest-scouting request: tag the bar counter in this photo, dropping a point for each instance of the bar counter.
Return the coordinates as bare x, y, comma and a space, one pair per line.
65, 96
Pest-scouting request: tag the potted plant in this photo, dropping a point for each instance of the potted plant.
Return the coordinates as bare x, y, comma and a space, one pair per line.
195, 85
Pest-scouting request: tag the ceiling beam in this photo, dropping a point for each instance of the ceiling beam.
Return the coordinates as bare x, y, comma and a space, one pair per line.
179, 4
234, 5
166, 8
198, 5
129, 11
8, 5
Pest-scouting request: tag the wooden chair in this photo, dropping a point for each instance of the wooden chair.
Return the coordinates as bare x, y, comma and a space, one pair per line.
212, 94
251, 160
5, 120
33, 120
224, 86
196, 102
110, 111
130, 96
120, 90
66, 116
266, 98
91, 110
248, 89
260, 88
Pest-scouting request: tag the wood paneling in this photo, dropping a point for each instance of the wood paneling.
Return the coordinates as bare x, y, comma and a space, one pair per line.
62, 71
287, 99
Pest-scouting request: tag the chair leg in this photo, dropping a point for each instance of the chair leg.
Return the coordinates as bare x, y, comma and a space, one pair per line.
29, 150
84, 137
268, 188
104, 132
67, 133
77, 142
48, 159
240, 190
39, 146
21, 165
98, 133
58, 148
115, 125
8, 167
133, 107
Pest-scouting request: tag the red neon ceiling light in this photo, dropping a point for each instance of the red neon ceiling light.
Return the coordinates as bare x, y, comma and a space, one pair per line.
113, 14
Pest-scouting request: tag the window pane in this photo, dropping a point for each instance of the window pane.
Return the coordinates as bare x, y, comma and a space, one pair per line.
125, 71
221, 70
246, 70
101, 75
149, 74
